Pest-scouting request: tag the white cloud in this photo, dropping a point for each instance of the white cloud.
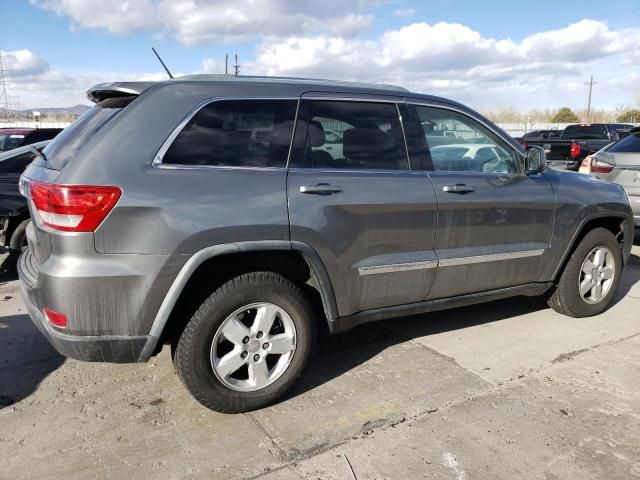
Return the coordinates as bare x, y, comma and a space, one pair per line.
32, 83
547, 69
453, 60
199, 21
21, 63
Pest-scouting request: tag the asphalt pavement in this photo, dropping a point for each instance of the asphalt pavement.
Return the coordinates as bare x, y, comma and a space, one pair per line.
507, 389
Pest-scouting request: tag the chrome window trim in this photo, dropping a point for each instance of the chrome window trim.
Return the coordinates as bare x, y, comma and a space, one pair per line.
417, 103
159, 156
492, 257
397, 267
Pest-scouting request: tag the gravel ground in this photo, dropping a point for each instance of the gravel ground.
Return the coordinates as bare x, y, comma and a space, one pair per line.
508, 389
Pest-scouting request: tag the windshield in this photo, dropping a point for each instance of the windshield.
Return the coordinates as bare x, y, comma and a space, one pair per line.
585, 132
71, 140
9, 141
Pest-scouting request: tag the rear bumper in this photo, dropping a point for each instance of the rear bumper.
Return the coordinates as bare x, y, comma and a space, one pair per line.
106, 307
115, 349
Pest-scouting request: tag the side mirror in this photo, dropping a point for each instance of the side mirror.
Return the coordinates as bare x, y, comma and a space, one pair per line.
535, 159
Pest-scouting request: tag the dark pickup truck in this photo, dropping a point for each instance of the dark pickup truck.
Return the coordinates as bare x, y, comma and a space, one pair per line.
578, 141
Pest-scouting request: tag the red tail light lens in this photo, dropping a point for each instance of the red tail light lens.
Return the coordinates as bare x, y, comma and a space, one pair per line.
575, 150
55, 318
598, 166
73, 208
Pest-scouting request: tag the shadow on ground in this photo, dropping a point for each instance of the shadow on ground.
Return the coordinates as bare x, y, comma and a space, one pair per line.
339, 354
7, 269
26, 358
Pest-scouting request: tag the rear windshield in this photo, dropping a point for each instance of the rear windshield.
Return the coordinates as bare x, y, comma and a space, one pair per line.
9, 141
630, 144
72, 139
585, 132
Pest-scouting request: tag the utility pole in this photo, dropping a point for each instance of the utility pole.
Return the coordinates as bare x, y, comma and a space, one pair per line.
236, 67
591, 83
4, 98
226, 64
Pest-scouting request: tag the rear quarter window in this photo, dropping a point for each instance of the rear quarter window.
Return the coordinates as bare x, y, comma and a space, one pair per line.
236, 133
70, 142
629, 144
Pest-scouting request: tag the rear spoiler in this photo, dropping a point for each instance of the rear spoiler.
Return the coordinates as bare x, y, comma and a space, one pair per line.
102, 91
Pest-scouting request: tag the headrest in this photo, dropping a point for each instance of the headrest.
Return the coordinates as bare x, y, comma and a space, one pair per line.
316, 134
281, 134
366, 142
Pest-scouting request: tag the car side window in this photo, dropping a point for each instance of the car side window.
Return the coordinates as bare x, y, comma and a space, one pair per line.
236, 133
458, 143
349, 135
18, 164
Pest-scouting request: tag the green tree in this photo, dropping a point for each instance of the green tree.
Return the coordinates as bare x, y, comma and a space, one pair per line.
630, 116
564, 115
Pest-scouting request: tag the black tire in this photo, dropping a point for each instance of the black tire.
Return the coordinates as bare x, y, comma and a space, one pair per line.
19, 237
193, 347
566, 298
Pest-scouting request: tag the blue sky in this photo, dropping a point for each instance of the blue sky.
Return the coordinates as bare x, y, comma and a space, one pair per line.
488, 54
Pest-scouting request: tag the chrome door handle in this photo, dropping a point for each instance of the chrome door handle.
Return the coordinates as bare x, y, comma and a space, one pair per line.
458, 188
320, 189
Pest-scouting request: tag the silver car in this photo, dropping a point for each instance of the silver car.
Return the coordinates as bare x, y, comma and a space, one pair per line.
620, 163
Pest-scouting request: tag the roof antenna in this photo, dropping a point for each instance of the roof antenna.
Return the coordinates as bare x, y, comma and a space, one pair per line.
163, 65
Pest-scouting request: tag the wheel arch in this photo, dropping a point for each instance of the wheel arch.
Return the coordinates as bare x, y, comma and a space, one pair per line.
616, 223
227, 255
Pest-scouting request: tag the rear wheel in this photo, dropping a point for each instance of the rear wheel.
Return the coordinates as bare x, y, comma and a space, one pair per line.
247, 343
591, 277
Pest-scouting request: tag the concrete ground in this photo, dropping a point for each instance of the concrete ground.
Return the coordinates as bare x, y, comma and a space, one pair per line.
508, 389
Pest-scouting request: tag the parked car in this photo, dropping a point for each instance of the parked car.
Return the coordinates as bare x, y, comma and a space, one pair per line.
14, 212
155, 220
620, 163
11, 138
578, 141
539, 135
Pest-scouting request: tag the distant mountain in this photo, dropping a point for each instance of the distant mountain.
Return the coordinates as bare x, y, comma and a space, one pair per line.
75, 110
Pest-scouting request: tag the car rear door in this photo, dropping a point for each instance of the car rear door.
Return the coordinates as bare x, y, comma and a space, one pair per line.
360, 206
494, 222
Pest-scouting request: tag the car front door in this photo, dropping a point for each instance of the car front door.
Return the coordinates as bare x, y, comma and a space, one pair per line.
494, 222
368, 215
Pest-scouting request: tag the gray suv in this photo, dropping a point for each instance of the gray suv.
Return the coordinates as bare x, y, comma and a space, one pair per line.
207, 213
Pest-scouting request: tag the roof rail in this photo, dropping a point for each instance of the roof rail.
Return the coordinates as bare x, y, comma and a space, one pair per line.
264, 79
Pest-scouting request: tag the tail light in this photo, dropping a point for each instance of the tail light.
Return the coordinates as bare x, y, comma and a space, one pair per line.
592, 164
575, 150
73, 208
55, 318
598, 166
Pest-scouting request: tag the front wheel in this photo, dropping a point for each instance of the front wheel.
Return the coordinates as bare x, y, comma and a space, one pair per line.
591, 277
247, 343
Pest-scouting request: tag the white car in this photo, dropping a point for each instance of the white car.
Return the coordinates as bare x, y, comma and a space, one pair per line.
472, 157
